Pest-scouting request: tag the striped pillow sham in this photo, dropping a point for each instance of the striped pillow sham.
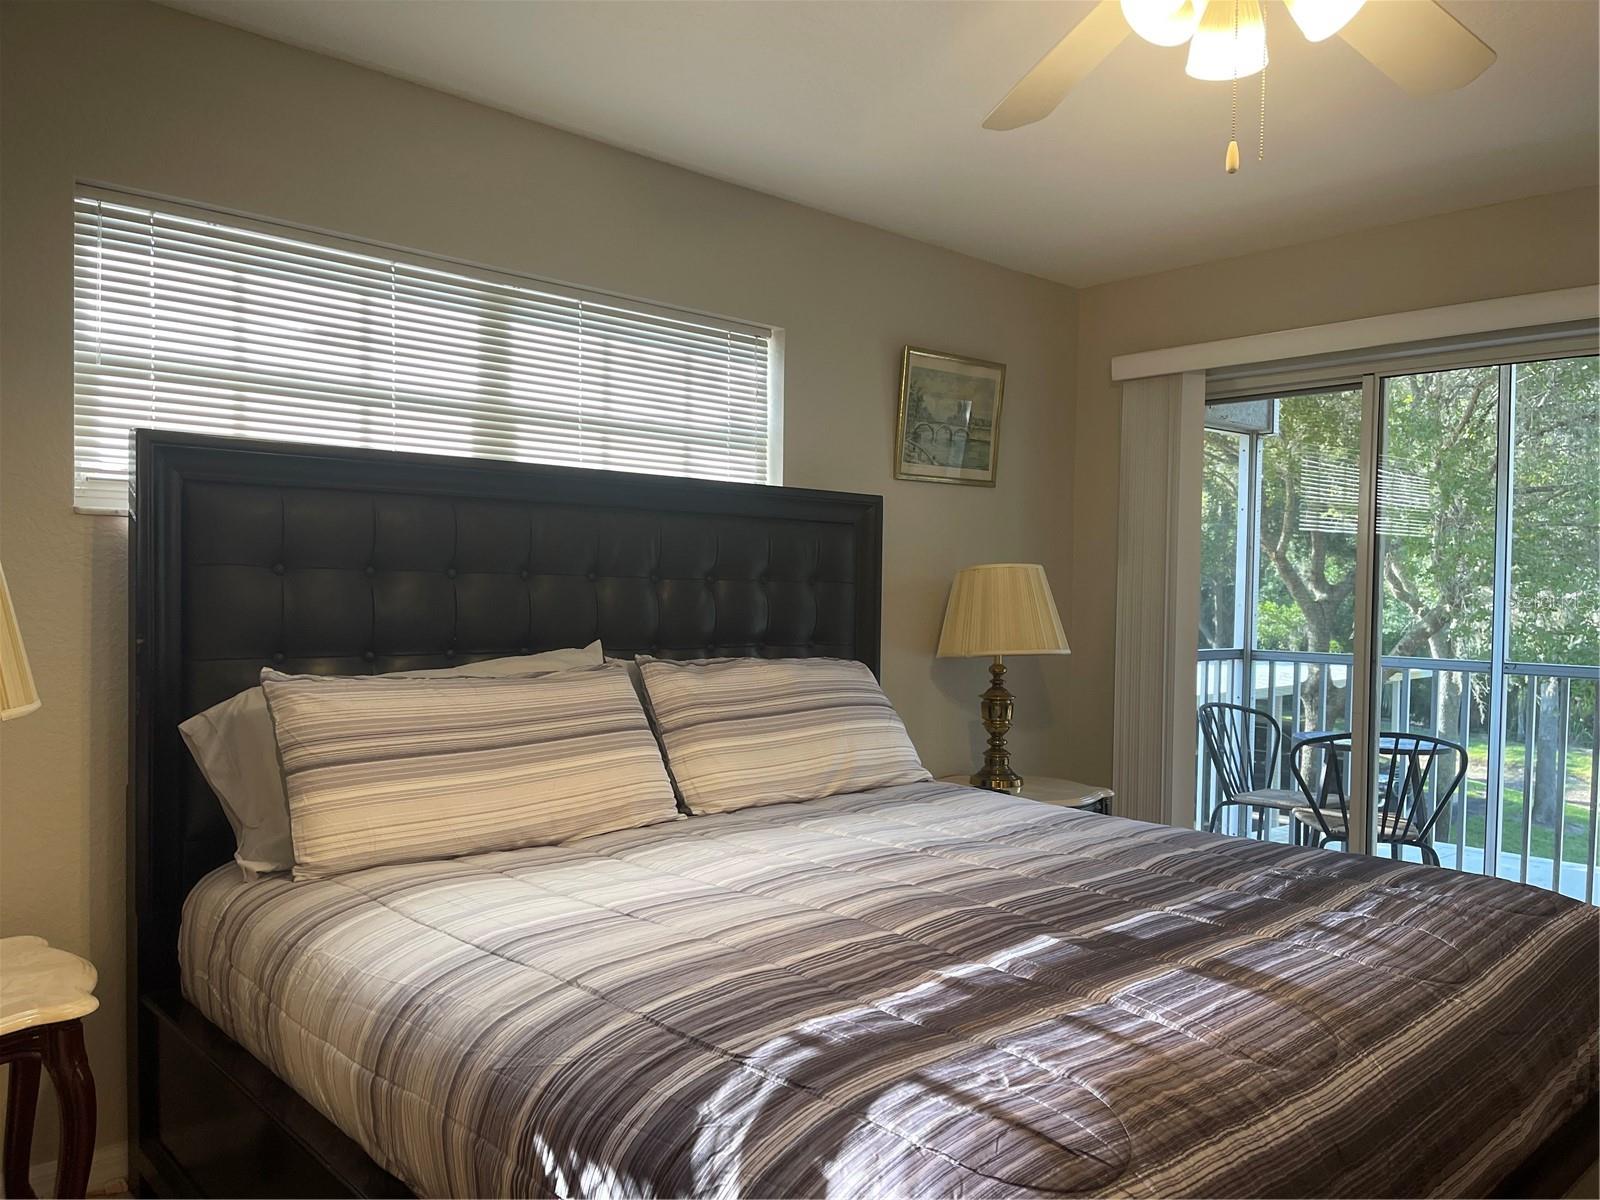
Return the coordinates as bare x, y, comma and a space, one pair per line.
742, 732
381, 770
236, 750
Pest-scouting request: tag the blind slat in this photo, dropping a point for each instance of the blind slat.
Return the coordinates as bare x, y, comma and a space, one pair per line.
193, 324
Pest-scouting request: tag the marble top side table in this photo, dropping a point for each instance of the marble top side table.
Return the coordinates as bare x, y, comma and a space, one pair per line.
44, 995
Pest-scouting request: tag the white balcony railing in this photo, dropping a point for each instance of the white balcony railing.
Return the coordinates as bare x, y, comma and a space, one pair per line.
1528, 809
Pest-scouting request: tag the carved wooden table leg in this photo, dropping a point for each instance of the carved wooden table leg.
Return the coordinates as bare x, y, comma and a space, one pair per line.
22, 1094
59, 1048
68, 1064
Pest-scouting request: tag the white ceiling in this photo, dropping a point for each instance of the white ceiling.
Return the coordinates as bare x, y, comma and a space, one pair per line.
872, 110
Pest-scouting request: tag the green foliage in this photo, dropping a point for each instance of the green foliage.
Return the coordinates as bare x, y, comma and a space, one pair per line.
1555, 529
1437, 484
1436, 513
1279, 623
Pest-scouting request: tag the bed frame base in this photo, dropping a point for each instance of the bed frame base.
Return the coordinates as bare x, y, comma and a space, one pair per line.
226, 1126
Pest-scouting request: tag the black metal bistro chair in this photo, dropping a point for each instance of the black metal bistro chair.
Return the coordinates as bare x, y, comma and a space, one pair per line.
1418, 778
1243, 745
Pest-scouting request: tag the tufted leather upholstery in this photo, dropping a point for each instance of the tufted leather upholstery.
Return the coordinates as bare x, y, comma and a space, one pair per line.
339, 562
351, 583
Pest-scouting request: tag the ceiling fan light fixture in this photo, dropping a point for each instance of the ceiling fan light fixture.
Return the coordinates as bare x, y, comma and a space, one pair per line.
1163, 22
1319, 20
1231, 42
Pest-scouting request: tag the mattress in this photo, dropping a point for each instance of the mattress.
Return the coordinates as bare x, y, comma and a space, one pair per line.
918, 991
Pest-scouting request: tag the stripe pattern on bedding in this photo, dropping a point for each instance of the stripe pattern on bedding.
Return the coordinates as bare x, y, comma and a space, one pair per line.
382, 770
919, 991
743, 732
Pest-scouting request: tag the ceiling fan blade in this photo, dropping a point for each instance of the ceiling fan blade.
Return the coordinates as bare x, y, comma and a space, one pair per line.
1418, 44
1083, 49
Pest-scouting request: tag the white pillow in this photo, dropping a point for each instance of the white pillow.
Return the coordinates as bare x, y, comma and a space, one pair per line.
237, 752
386, 770
740, 732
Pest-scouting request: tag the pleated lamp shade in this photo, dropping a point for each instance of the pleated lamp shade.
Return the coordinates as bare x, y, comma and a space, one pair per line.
1001, 608
18, 696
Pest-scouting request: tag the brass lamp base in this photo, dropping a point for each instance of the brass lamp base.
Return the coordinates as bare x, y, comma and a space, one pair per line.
997, 708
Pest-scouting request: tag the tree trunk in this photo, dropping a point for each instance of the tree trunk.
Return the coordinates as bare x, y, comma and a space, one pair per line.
1450, 709
1319, 640
1311, 696
1442, 646
1549, 803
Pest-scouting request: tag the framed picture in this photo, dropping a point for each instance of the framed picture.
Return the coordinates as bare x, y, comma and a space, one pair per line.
949, 428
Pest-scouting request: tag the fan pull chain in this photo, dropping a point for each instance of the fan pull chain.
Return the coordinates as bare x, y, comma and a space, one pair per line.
1230, 163
1261, 140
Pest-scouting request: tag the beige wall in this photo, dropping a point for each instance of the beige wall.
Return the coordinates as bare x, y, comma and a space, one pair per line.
149, 99
1532, 245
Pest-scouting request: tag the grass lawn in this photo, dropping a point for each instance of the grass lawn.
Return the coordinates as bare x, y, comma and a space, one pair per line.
1542, 840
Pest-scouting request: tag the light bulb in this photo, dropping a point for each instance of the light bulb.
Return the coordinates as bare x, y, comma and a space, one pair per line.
1319, 20
1163, 22
1226, 46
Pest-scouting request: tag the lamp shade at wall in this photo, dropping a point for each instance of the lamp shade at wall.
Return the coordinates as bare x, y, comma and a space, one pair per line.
999, 609
18, 696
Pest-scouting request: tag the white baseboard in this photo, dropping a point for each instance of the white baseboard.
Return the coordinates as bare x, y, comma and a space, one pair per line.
108, 1172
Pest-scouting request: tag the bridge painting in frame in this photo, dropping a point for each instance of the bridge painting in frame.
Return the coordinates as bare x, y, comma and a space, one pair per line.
949, 427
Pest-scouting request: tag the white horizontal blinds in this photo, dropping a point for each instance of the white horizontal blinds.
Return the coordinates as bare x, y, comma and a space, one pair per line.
189, 322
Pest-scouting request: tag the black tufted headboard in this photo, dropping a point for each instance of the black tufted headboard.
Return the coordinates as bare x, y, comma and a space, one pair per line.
332, 561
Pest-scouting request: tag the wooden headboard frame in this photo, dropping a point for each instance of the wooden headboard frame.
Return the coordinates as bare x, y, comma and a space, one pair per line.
319, 559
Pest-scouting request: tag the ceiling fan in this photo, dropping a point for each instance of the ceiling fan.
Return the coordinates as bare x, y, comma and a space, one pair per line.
1416, 43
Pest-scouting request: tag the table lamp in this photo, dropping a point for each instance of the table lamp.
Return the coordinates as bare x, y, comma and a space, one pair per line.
18, 696
995, 610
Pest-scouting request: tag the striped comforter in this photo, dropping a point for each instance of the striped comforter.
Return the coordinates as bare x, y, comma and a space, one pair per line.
917, 991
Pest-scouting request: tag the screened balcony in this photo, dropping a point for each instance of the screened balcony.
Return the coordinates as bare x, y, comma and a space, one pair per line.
1485, 617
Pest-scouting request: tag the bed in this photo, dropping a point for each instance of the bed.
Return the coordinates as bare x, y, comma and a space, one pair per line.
913, 990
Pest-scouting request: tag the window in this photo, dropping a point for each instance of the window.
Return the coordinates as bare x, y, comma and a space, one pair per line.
192, 321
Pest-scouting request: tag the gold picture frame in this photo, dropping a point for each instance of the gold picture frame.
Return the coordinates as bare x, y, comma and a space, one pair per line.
949, 425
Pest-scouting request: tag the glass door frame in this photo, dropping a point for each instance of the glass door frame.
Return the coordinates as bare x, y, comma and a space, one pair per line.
1500, 625
1365, 644
1505, 354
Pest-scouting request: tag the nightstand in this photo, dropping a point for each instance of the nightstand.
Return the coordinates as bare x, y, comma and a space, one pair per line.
1065, 793
44, 995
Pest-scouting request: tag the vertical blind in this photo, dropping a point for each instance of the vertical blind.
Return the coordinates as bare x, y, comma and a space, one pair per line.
190, 321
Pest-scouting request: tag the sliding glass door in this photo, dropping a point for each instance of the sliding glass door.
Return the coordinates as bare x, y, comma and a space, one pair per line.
1280, 496
1468, 500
